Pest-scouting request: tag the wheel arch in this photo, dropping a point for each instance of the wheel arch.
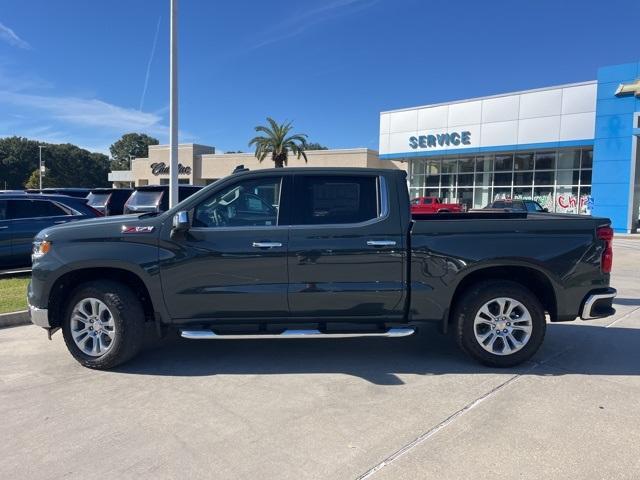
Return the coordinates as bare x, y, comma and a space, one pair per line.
531, 278
64, 286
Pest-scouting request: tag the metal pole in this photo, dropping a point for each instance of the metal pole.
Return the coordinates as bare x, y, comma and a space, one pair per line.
40, 164
173, 106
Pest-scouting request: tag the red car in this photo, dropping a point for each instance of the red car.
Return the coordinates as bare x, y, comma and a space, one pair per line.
434, 205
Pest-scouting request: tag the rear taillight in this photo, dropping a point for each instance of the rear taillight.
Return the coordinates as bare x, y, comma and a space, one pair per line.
606, 234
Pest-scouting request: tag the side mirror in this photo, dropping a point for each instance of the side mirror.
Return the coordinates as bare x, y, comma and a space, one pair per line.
181, 222
545, 209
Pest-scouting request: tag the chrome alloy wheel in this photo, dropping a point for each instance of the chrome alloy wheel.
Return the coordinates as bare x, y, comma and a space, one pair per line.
503, 326
92, 327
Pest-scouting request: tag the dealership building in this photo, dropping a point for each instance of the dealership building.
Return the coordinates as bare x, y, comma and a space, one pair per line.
573, 148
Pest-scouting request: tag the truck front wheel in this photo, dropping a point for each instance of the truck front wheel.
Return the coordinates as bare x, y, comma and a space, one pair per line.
499, 323
103, 325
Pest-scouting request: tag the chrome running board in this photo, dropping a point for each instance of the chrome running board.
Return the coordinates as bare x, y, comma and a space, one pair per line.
210, 335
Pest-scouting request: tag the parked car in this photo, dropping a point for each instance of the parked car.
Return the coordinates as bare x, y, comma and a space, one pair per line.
109, 201
434, 205
517, 205
23, 215
155, 198
69, 191
318, 252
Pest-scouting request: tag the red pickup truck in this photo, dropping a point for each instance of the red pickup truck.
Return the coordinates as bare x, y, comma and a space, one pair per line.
434, 205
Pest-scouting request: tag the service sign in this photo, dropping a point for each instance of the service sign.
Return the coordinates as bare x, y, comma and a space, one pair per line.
440, 141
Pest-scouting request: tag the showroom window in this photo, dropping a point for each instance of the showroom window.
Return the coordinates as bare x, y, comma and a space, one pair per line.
559, 180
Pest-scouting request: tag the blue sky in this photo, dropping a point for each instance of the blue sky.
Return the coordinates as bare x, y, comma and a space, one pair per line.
75, 70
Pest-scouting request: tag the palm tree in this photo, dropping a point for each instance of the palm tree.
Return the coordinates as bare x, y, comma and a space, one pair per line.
278, 142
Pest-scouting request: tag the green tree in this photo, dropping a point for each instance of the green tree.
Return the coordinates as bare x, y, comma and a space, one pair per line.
130, 144
278, 142
315, 146
71, 166
18, 157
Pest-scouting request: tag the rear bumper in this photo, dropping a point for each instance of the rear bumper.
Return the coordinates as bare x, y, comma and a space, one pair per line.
598, 304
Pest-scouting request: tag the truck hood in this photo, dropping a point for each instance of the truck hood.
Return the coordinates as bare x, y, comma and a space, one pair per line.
103, 227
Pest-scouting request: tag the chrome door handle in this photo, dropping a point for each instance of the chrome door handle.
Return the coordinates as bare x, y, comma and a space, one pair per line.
61, 221
381, 243
2, 228
266, 244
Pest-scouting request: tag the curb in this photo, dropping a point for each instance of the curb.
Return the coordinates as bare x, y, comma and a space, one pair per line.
13, 319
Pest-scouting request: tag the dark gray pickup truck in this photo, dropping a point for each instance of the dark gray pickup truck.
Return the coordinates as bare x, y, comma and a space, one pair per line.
318, 253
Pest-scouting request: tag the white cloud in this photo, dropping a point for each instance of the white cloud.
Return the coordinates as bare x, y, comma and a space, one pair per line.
9, 36
297, 24
87, 112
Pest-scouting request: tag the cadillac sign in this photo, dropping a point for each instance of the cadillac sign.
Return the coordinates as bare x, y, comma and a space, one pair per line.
440, 140
162, 168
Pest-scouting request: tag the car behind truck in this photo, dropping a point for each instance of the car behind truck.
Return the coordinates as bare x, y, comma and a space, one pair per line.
318, 253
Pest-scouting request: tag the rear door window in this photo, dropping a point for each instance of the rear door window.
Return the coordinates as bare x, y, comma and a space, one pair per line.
27, 208
335, 199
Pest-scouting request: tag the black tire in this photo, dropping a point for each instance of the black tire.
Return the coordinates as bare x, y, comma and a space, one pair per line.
469, 306
128, 317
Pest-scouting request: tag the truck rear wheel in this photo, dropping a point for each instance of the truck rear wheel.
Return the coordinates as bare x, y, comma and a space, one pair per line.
499, 323
103, 325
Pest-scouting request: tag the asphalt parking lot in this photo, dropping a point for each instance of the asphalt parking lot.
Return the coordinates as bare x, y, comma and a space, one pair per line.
332, 409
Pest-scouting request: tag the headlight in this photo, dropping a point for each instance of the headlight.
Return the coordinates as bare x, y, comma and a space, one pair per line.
40, 249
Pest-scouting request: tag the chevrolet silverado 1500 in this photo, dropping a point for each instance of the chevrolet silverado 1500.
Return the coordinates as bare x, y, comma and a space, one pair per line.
318, 253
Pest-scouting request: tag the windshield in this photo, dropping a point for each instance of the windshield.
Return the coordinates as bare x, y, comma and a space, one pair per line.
98, 199
142, 198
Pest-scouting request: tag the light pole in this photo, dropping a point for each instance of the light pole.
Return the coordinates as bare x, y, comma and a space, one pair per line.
173, 105
131, 157
40, 169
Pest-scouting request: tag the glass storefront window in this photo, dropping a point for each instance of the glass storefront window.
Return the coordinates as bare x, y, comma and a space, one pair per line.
559, 180
450, 166
544, 178
567, 200
465, 165
483, 179
545, 160
523, 161
522, 193
569, 159
484, 163
432, 167
448, 180
501, 193
465, 180
502, 178
544, 196
481, 197
523, 178
568, 177
465, 197
504, 162
432, 181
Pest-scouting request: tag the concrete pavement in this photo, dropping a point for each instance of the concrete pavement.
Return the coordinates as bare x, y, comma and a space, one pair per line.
375, 408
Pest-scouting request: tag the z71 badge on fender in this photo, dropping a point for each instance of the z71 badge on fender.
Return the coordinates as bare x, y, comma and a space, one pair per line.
144, 229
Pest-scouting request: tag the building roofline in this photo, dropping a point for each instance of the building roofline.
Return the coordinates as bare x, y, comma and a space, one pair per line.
507, 94
332, 150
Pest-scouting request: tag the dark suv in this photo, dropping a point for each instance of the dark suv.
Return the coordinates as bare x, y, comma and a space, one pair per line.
155, 198
23, 215
109, 201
